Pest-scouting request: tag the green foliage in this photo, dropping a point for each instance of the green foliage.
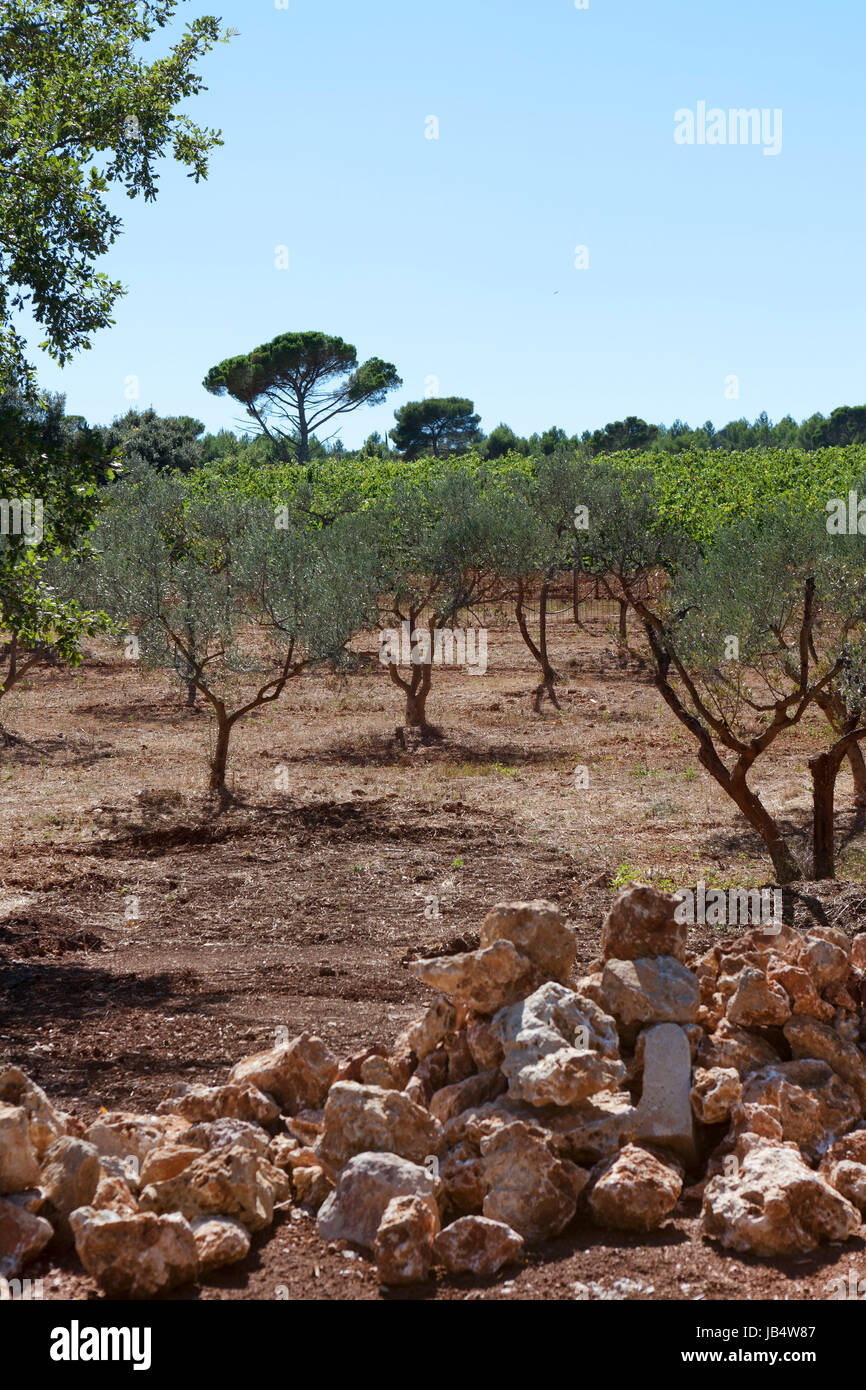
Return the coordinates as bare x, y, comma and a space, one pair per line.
631, 433
435, 536
166, 443
211, 577
303, 381
49, 466
699, 491
438, 426
81, 111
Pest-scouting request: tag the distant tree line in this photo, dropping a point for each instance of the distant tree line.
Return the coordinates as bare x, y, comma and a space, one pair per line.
445, 427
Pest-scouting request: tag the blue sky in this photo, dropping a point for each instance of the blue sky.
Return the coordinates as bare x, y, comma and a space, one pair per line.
454, 257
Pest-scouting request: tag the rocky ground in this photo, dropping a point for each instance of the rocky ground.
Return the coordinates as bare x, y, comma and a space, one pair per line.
146, 943
667, 1096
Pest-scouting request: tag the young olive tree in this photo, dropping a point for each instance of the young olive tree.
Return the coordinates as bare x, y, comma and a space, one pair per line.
745, 637
231, 594
533, 540
435, 544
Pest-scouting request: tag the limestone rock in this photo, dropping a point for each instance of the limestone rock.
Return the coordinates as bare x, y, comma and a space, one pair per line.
484, 1044
841, 997
656, 989
758, 1002
125, 1170
311, 1185
584, 1133
219, 1241
404, 1241
800, 989
367, 1119
427, 1032
528, 1187
641, 924
113, 1194
19, 1167
730, 1046
775, 1205
476, 1245
694, 1033
462, 1175
593, 1130
590, 987
278, 1180
465, 1095
237, 1100
634, 1191
715, 1092
844, 1166
227, 1134
135, 1256
307, 1126
29, 1200
224, 1182
558, 1047
664, 1115
298, 1075
825, 961
483, 980
849, 1179
808, 1102
461, 1064
354, 1210
538, 931
45, 1123
70, 1176
280, 1150
810, 1038
22, 1236
349, 1068
430, 1076
378, 1071
124, 1135
166, 1162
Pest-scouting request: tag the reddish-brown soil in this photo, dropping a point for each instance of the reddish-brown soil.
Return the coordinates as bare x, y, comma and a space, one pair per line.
146, 939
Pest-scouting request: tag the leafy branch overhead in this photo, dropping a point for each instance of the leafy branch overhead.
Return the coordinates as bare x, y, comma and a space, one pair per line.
81, 111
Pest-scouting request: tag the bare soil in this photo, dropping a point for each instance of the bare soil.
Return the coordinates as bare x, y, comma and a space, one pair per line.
146, 939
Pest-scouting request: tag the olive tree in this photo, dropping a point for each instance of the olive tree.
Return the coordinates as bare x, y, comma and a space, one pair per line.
746, 636
533, 539
434, 539
232, 594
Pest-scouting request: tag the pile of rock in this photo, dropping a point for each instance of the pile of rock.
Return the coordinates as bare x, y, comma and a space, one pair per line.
515, 1104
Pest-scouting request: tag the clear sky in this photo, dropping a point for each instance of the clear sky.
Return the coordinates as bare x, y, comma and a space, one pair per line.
454, 257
